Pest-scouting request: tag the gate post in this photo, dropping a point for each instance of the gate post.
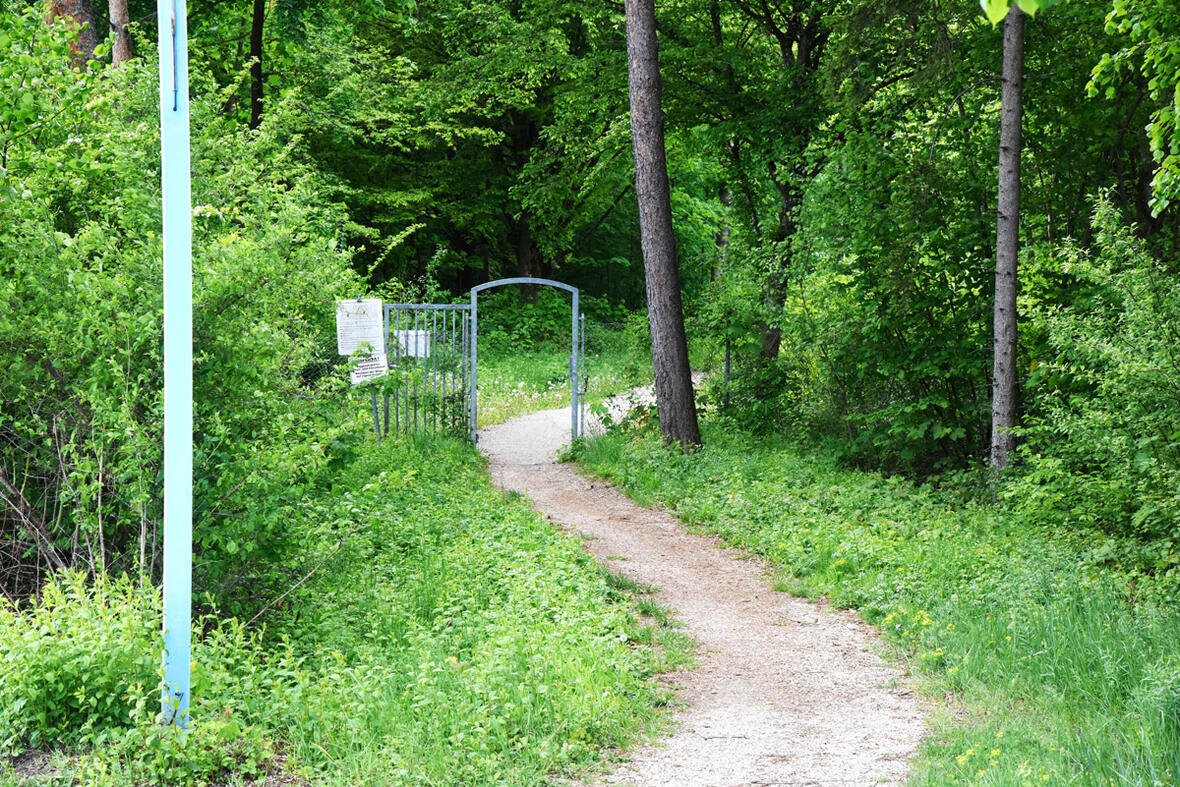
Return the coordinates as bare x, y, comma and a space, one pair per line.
575, 383
474, 357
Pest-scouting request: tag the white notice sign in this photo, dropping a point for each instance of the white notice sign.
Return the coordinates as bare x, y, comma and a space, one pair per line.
360, 323
368, 369
414, 344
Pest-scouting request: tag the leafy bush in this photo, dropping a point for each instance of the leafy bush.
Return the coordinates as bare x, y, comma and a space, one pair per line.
443, 634
69, 661
1103, 439
80, 324
81, 672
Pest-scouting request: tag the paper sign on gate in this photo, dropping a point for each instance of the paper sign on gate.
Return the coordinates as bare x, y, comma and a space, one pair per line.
360, 325
414, 344
369, 369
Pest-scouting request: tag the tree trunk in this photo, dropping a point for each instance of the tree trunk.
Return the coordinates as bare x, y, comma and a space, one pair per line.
775, 297
1004, 388
724, 231
669, 346
256, 63
120, 18
526, 256
80, 13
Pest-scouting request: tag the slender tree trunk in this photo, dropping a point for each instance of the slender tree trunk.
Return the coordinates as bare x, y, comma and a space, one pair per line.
669, 346
724, 231
526, 256
256, 63
120, 18
80, 13
775, 297
1004, 388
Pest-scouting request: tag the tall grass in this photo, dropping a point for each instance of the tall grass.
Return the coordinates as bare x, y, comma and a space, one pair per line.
1056, 668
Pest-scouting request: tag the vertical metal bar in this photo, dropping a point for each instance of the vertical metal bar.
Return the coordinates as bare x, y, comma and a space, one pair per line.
463, 371
398, 366
376, 417
385, 317
433, 366
414, 363
388, 309
474, 382
175, 154
573, 369
582, 374
451, 370
463, 367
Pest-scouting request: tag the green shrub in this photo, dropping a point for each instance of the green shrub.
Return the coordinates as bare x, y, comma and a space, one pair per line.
81, 673
69, 661
1102, 441
80, 323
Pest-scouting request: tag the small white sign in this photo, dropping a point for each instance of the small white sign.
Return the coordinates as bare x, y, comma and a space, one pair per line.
360, 323
414, 344
369, 368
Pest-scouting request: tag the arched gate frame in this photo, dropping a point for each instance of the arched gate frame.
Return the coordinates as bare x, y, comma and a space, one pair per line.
577, 364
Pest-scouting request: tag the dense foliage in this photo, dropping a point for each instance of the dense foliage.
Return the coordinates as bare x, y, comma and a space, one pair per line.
448, 635
80, 327
833, 168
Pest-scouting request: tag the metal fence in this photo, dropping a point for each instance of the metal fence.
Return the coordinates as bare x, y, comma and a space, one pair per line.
428, 386
432, 354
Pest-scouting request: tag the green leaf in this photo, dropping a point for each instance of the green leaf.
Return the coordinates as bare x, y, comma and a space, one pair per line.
995, 10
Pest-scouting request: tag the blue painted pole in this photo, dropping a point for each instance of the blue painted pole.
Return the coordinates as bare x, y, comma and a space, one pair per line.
474, 417
178, 358
575, 383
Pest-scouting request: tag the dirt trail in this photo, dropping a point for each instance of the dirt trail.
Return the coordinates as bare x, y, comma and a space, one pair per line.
785, 692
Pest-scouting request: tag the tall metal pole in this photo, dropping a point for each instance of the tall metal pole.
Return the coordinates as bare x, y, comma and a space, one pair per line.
574, 381
473, 380
178, 357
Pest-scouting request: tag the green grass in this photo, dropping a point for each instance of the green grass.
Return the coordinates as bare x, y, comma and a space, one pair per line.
515, 383
446, 635
1049, 667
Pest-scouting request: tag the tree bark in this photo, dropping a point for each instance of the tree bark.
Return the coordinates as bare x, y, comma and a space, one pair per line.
120, 18
81, 14
256, 63
1004, 385
669, 346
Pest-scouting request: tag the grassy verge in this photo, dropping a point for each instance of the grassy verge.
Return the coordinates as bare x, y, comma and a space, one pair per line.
445, 634
514, 383
1060, 669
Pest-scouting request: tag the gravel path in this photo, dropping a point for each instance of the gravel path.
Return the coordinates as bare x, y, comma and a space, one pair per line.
785, 692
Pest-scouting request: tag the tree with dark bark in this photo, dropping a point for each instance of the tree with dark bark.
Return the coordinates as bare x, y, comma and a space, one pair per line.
1004, 385
669, 346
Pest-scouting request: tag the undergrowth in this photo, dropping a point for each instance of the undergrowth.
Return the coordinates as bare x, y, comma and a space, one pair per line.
445, 634
1065, 664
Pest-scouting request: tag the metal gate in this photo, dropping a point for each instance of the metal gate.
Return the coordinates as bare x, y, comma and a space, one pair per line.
577, 362
433, 352
428, 346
